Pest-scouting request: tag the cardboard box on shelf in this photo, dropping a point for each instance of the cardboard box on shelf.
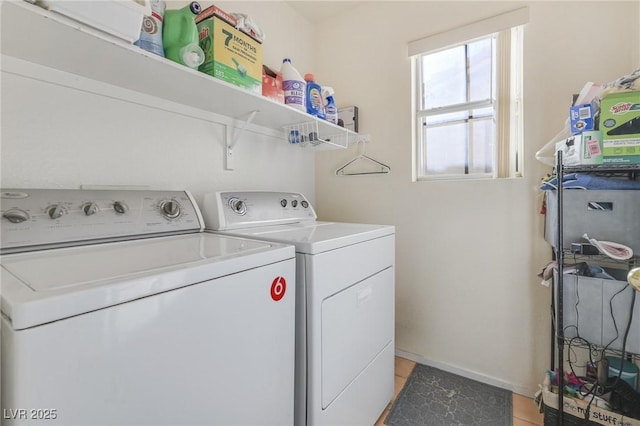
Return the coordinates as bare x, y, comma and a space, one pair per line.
577, 410
582, 149
215, 10
230, 54
272, 84
620, 126
349, 117
581, 118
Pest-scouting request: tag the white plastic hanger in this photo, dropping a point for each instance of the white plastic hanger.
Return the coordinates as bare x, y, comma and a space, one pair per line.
379, 168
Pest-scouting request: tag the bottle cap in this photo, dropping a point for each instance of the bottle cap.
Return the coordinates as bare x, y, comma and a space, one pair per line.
195, 7
192, 55
309, 77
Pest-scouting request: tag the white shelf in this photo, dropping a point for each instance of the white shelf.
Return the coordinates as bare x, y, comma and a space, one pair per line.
35, 35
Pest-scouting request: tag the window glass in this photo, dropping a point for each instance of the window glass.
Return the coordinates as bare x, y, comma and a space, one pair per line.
446, 153
480, 69
457, 115
460, 129
482, 146
461, 147
444, 78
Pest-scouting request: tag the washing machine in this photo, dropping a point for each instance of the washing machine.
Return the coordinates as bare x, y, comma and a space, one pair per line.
345, 301
117, 309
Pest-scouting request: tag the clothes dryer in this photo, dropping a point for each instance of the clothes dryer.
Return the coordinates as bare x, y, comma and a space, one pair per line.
118, 310
345, 301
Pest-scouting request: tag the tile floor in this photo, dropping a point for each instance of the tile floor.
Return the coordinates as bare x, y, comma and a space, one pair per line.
525, 412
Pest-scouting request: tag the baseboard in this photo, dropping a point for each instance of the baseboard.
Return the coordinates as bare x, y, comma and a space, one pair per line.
521, 390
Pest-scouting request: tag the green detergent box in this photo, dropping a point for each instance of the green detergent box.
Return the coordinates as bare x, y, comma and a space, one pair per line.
620, 126
229, 54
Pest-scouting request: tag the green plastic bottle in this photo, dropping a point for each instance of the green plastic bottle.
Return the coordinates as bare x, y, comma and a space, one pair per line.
180, 36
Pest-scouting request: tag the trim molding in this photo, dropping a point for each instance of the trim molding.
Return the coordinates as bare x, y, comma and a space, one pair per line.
471, 31
521, 390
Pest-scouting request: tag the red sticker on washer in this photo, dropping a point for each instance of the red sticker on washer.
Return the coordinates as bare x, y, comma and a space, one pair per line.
278, 288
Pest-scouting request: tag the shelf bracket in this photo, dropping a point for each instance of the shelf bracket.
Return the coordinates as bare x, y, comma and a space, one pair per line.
230, 143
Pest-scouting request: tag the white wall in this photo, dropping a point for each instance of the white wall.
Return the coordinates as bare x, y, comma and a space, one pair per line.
467, 295
54, 136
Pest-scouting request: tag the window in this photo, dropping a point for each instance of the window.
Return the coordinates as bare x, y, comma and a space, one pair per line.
467, 101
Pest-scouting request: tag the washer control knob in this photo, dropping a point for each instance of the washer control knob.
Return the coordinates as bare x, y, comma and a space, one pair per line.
90, 209
55, 211
120, 207
16, 215
238, 206
283, 202
304, 204
170, 209
294, 203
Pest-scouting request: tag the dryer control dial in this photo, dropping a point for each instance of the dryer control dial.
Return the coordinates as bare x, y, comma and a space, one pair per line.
170, 209
120, 207
55, 211
16, 215
90, 209
238, 206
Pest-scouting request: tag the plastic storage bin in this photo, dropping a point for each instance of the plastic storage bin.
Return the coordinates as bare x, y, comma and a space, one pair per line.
629, 371
590, 306
606, 215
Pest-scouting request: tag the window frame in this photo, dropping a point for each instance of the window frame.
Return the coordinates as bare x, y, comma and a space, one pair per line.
464, 107
507, 29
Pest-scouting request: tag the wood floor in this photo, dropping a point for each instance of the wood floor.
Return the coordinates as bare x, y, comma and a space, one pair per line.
525, 412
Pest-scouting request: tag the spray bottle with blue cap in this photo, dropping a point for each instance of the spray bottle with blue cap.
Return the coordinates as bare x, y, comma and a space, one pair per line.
330, 108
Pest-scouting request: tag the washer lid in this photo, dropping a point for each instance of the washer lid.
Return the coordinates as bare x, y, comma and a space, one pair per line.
39, 287
315, 237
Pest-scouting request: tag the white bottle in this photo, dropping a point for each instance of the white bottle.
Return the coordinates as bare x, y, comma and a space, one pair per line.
294, 86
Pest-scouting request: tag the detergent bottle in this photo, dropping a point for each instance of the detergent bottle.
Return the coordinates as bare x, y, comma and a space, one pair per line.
180, 36
315, 104
330, 108
151, 32
293, 85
